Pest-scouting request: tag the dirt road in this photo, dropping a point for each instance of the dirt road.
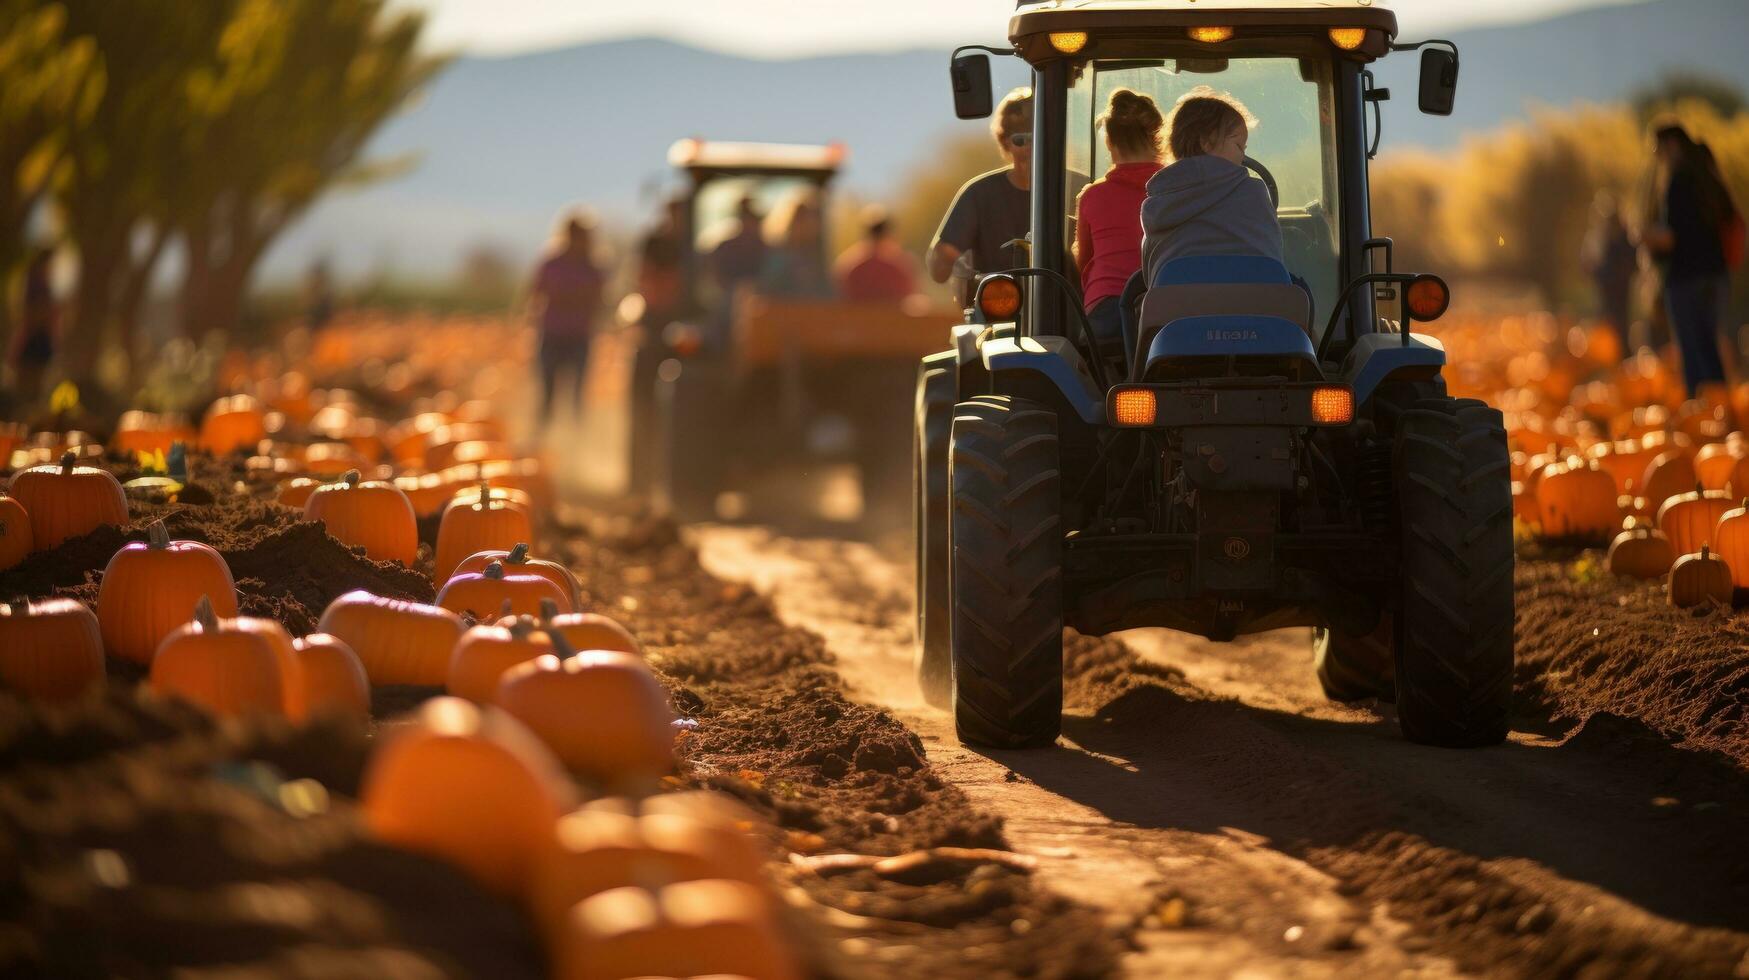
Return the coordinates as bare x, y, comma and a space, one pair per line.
1232, 822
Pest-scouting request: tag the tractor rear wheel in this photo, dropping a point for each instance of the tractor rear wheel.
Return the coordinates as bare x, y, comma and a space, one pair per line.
933, 414
1454, 642
1006, 573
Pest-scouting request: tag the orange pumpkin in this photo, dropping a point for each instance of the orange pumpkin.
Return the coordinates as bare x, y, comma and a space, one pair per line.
331, 459
398, 642
479, 524
50, 650
372, 515
333, 678
232, 423
229, 666
365, 436
586, 631
1731, 543
149, 588
466, 486
467, 785
593, 850
601, 712
441, 443
65, 500
1641, 551
427, 492
1688, 519
407, 440
15, 540
489, 593
1669, 474
1625, 461
517, 562
484, 653
1715, 462
145, 432
1698, 578
686, 929
1577, 500
296, 491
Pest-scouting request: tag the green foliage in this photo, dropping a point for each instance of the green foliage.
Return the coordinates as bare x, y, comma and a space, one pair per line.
213, 124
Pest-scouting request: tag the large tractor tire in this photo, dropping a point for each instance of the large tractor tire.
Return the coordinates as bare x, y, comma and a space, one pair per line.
1356, 668
932, 414
1454, 642
690, 400
1006, 573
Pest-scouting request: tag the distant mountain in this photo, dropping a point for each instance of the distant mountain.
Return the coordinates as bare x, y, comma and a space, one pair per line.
502, 143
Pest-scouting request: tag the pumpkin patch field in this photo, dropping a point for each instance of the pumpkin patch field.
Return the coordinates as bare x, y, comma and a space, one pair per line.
328, 684
334, 679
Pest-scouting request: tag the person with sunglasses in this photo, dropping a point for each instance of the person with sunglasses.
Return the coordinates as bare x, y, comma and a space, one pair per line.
993, 209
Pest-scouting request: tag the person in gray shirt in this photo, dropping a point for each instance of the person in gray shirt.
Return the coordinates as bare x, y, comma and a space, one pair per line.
1205, 202
995, 208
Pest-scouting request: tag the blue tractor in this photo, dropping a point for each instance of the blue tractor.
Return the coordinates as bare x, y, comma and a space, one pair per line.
1276, 447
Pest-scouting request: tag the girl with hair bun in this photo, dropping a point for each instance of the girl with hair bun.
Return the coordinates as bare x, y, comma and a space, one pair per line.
1205, 202
1108, 238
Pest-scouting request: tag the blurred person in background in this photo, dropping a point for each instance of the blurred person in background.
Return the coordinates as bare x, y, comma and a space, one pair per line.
736, 261
659, 257
992, 209
567, 287
876, 269
1610, 260
1108, 229
1688, 235
795, 254
38, 332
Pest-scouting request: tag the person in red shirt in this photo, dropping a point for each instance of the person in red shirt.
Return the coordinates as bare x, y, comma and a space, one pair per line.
875, 269
567, 290
1108, 226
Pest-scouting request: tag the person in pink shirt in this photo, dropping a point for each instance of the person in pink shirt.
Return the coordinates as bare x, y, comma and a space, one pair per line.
1108, 226
876, 269
566, 290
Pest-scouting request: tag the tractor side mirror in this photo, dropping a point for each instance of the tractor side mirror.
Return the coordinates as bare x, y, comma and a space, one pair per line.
1439, 72
972, 98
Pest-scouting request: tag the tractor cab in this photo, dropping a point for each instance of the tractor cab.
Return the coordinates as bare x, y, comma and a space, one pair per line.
1273, 445
720, 176
1301, 68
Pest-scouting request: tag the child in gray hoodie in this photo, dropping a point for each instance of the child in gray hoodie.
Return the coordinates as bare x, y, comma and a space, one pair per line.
1206, 202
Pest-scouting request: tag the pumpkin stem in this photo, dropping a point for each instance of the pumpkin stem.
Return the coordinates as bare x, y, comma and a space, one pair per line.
1703, 552
68, 458
204, 615
351, 478
518, 554
494, 570
561, 646
521, 627
157, 535
504, 608
548, 610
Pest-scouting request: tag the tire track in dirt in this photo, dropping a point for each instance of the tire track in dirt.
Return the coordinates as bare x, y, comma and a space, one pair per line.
1306, 838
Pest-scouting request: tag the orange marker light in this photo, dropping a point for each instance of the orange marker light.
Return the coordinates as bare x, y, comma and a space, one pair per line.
1133, 406
999, 297
1332, 406
1211, 35
1427, 297
1348, 38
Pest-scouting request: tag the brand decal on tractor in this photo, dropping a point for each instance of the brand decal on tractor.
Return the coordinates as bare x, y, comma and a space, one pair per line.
1232, 335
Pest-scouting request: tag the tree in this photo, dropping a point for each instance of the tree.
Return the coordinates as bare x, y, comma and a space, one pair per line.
283, 114
1676, 87
48, 85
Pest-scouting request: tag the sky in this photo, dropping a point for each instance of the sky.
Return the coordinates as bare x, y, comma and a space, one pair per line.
790, 28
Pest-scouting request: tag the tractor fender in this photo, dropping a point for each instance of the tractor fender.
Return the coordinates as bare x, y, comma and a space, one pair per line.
1056, 361
1377, 356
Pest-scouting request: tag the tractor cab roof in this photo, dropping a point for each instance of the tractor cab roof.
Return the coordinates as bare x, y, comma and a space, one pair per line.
709, 158
1035, 21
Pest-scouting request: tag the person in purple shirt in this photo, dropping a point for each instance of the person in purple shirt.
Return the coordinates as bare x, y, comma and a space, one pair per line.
567, 291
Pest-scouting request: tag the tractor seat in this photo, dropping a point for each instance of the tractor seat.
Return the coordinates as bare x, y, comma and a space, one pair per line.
1219, 285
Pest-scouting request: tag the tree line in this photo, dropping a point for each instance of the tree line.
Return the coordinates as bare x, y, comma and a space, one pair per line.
133, 128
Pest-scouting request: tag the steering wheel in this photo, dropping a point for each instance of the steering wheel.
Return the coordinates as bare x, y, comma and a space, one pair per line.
1268, 181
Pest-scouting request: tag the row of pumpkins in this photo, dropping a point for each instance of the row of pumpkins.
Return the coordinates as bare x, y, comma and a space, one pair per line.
540, 703
1611, 449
